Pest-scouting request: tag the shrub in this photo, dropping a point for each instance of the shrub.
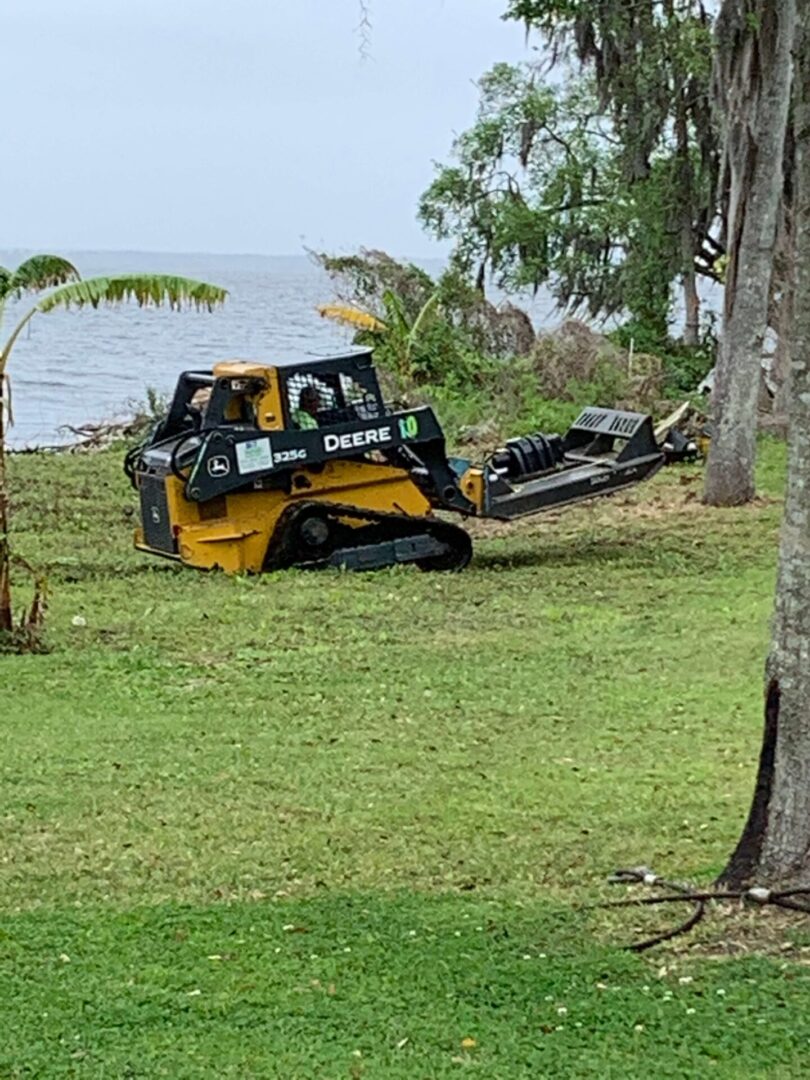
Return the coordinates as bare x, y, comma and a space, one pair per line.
683, 366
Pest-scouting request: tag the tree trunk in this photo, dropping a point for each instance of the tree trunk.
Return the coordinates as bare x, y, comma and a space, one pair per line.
780, 371
753, 77
784, 284
691, 329
775, 845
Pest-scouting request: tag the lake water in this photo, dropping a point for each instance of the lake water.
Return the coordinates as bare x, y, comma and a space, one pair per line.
71, 367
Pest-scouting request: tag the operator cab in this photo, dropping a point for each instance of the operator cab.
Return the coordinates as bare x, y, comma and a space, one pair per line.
337, 390
316, 393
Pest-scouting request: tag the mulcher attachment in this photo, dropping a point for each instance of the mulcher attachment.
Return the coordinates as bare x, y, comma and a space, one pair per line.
604, 450
529, 455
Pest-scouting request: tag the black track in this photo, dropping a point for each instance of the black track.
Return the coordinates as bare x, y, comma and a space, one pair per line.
315, 535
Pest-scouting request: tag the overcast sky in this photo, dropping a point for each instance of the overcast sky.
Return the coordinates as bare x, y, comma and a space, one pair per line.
240, 126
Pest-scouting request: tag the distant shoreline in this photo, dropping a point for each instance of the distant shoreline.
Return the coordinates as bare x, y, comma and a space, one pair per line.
303, 256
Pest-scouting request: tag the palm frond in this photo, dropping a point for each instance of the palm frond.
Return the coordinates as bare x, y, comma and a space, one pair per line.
41, 272
397, 316
5, 279
426, 317
144, 289
350, 316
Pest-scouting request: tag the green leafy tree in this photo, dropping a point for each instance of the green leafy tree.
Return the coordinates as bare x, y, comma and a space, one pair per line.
143, 289
651, 60
423, 329
600, 184
363, 278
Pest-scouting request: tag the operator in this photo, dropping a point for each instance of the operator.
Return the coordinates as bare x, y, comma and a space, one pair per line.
305, 416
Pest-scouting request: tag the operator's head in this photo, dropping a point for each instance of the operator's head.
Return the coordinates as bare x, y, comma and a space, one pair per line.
310, 400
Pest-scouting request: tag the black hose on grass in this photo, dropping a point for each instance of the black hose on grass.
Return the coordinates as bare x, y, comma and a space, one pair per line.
685, 894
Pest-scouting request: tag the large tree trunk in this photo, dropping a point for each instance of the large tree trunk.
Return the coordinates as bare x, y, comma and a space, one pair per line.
775, 845
753, 78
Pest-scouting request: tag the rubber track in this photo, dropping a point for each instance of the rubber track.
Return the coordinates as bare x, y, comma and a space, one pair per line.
402, 525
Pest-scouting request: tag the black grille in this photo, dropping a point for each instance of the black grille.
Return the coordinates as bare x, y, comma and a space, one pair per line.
157, 528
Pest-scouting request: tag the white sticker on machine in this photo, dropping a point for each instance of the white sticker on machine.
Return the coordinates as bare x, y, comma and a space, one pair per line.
254, 455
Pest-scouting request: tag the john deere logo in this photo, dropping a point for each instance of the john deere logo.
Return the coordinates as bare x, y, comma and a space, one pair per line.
219, 466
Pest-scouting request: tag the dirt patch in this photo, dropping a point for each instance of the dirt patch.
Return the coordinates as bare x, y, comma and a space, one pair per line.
673, 498
731, 930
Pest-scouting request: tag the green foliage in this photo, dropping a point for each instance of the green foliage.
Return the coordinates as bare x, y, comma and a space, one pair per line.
652, 62
459, 352
684, 366
431, 331
157, 404
601, 184
607, 385
480, 203
687, 367
143, 289
35, 274
364, 279
409, 348
419, 338
498, 399
27, 633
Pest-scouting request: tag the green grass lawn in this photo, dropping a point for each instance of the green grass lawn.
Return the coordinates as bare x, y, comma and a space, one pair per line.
323, 825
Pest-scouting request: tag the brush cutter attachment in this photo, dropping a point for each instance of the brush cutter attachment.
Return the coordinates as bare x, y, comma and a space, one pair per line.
604, 450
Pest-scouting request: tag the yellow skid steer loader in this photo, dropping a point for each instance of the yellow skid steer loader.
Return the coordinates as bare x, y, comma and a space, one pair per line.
257, 467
